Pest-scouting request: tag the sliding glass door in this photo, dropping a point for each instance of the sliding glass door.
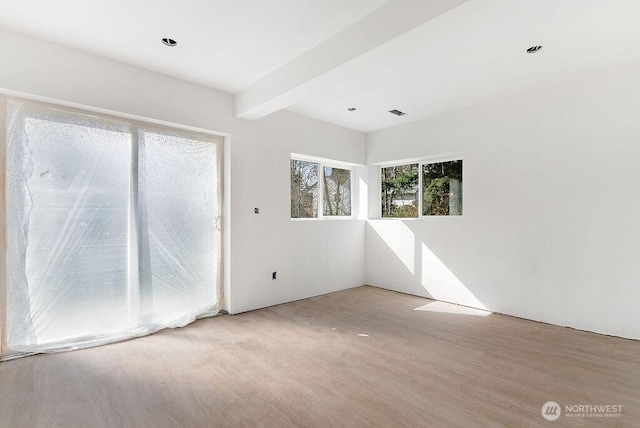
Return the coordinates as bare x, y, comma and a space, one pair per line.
112, 228
179, 229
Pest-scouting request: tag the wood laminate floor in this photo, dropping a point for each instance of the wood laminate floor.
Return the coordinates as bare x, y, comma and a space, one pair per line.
361, 357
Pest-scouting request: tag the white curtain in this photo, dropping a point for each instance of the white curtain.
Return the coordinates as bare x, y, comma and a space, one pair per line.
112, 228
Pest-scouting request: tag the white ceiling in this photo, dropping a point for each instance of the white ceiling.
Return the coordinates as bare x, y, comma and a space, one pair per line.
223, 44
319, 57
476, 53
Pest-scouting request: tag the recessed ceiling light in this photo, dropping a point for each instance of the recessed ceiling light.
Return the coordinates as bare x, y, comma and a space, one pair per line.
352, 109
397, 112
169, 42
534, 49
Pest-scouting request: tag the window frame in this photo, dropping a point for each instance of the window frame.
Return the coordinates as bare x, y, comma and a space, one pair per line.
321, 164
421, 162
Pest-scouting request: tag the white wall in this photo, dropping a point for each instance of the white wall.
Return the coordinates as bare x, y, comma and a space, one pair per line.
550, 230
550, 207
311, 258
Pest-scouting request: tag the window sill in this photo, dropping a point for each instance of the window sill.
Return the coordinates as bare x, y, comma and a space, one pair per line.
324, 219
426, 217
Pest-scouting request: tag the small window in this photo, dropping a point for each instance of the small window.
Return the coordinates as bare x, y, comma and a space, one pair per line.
304, 189
422, 189
314, 185
442, 188
399, 188
337, 191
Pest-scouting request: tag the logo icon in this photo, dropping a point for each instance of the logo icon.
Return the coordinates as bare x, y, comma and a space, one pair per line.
551, 410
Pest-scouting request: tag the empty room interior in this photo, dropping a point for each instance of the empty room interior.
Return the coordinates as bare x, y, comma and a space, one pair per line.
319, 213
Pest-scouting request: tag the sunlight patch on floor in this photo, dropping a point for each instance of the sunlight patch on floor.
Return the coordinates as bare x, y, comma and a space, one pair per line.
450, 308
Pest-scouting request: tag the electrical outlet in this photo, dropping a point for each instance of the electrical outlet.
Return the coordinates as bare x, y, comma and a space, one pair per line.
273, 275
256, 210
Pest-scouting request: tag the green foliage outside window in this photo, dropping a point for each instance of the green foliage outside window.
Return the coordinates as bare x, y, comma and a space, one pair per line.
400, 191
442, 188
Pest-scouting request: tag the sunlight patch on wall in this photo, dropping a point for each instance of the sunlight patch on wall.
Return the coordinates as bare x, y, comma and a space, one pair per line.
363, 192
399, 238
442, 284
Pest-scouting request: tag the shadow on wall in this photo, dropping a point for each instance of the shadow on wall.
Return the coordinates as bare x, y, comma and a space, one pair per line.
398, 261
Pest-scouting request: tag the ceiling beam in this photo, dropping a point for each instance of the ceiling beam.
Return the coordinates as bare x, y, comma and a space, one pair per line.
298, 78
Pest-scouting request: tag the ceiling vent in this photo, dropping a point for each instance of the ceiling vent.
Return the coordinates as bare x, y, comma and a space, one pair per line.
169, 42
397, 112
534, 49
